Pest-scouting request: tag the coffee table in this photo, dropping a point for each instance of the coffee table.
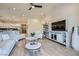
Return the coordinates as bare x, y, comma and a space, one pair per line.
33, 49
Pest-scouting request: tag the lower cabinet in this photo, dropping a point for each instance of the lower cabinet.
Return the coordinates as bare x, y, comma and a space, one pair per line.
61, 37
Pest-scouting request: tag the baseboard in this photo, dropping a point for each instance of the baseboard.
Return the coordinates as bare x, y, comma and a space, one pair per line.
57, 42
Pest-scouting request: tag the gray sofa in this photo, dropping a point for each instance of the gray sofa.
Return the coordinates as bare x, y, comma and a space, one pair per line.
8, 39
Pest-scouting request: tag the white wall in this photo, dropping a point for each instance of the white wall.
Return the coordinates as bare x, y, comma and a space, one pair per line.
68, 12
34, 25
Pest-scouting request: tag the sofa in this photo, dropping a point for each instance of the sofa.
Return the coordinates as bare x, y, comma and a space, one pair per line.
8, 39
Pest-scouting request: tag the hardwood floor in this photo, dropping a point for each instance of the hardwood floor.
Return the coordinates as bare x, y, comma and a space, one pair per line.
49, 48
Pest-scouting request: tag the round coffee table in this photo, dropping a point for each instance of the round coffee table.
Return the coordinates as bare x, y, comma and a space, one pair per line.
33, 49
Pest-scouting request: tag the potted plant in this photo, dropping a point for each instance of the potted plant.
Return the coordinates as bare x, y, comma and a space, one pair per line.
33, 41
33, 34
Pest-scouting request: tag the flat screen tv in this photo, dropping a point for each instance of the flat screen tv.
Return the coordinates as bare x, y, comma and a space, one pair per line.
59, 26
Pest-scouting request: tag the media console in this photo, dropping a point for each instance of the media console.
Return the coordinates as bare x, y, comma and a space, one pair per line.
58, 33
61, 37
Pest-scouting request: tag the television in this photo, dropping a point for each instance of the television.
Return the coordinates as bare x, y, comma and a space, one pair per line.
59, 26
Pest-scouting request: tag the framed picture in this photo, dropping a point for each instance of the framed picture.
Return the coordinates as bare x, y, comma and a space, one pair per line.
23, 27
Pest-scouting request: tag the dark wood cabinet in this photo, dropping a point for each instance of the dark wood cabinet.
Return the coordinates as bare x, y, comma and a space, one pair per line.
23, 27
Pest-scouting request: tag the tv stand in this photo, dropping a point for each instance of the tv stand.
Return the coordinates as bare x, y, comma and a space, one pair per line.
61, 37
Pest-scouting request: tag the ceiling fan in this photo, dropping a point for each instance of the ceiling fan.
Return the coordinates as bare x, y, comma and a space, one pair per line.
34, 6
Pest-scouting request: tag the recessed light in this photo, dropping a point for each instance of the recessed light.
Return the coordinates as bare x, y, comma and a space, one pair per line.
33, 7
14, 8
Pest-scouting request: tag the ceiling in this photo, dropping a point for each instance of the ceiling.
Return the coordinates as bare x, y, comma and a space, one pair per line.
21, 9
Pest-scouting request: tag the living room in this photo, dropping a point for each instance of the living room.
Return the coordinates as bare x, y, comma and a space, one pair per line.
53, 27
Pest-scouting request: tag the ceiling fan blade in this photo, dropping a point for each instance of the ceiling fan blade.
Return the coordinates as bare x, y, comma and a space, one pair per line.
39, 6
32, 4
30, 8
